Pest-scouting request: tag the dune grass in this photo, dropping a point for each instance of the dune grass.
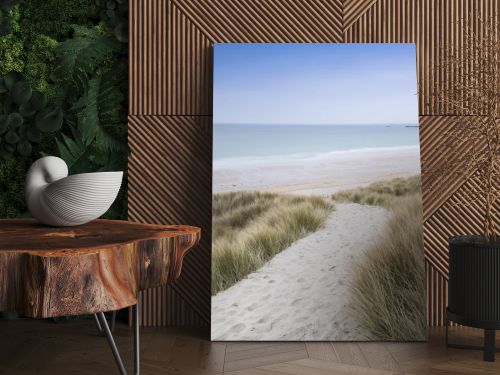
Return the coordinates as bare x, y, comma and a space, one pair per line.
250, 227
381, 193
388, 291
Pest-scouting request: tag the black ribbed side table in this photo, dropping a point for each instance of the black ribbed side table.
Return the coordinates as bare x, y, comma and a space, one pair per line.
474, 288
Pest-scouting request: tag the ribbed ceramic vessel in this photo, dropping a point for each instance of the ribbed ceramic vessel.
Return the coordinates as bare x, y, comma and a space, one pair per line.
56, 199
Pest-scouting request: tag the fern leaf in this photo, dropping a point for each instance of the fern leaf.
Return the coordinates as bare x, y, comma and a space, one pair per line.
88, 112
98, 114
80, 56
73, 152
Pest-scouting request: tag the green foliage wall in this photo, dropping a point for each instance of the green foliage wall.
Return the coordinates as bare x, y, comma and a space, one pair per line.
63, 91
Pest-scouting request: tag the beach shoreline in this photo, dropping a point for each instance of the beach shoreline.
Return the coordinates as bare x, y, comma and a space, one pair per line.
320, 175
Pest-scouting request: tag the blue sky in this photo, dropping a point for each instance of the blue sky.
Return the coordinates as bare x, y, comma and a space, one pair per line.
315, 83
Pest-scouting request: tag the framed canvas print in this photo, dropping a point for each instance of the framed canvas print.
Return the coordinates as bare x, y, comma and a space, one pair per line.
317, 219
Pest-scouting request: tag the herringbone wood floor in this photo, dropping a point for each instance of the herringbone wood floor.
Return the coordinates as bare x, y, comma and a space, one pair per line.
42, 347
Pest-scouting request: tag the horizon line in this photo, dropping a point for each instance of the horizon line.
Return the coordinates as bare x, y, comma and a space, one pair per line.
320, 124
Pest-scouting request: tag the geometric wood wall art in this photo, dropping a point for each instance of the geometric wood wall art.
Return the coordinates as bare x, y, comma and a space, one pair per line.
170, 108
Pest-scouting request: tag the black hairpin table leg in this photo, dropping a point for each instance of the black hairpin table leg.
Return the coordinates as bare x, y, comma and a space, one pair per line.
113, 323
102, 325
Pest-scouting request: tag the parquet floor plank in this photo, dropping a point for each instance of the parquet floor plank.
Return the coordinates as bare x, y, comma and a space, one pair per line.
41, 347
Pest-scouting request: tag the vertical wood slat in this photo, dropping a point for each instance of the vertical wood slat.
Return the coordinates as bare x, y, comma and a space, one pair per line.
170, 60
437, 296
155, 313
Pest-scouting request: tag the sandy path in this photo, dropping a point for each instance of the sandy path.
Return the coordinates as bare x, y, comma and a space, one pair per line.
302, 293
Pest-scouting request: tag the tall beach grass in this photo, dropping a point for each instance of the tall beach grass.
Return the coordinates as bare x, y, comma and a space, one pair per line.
250, 227
382, 193
388, 290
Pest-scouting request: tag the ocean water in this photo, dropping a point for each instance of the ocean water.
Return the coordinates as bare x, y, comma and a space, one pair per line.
235, 141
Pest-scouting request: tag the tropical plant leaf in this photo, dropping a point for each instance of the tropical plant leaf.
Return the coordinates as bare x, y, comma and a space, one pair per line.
38, 100
8, 105
49, 119
4, 123
5, 155
120, 31
27, 109
11, 137
98, 114
3, 88
24, 148
75, 153
33, 134
80, 56
11, 78
109, 161
14, 120
21, 92
9, 147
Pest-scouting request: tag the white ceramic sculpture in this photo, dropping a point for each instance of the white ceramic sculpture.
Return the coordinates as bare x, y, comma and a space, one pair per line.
56, 199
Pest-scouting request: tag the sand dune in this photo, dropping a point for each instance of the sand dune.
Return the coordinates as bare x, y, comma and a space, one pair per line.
302, 293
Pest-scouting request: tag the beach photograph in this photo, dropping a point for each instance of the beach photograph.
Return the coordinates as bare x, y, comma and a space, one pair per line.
316, 202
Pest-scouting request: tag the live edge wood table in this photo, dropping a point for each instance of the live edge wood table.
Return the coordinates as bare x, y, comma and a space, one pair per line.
89, 269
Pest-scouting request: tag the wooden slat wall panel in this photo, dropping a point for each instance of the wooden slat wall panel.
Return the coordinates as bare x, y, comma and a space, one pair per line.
462, 213
189, 69
353, 10
264, 21
156, 312
171, 104
175, 57
437, 296
171, 165
147, 53
431, 130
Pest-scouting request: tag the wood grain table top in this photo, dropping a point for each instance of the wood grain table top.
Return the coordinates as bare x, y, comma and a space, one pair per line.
29, 236
100, 266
